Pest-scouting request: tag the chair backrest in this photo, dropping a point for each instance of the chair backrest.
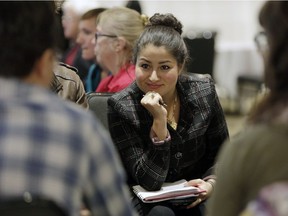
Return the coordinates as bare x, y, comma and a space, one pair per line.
201, 47
35, 207
98, 105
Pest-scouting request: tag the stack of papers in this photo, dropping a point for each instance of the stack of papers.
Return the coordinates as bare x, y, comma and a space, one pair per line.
175, 190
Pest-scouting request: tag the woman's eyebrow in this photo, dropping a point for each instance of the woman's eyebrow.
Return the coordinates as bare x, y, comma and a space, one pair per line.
160, 62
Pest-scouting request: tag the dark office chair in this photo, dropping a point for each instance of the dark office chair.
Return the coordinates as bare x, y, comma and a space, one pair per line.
98, 105
35, 207
201, 47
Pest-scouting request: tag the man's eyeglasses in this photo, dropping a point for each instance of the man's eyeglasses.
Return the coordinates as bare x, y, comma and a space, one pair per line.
98, 34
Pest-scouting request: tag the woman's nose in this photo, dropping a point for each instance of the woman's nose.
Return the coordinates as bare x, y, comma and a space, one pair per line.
79, 39
153, 76
93, 41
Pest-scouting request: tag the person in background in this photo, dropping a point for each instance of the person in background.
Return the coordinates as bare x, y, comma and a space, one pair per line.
258, 156
49, 148
135, 5
72, 12
67, 84
117, 30
63, 42
87, 30
167, 125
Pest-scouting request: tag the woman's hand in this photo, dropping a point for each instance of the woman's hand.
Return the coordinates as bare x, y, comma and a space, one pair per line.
152, 102
205, 186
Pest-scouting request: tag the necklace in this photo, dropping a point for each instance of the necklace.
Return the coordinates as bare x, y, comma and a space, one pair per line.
171, 121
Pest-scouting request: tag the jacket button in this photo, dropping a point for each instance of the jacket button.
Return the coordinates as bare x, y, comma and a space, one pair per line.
178, 155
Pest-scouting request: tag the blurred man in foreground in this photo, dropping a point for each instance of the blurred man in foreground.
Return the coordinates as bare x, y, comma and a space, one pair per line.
49, 148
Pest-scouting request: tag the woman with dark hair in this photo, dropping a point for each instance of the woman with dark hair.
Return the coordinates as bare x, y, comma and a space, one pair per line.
167, 125
258, 156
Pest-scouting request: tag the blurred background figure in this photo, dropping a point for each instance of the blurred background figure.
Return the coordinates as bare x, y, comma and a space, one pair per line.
87, 30
117, 30
72, 12
135, 5
63, 42
67, 84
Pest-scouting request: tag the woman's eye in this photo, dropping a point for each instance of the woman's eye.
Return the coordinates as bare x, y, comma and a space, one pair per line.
87, 32
165, 67
145, 66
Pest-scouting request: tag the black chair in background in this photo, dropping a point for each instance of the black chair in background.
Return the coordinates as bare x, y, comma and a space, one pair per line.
250, 86
33, 207
201, 47
98, 105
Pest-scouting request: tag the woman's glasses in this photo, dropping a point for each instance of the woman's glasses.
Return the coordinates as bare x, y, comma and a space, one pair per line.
98, 34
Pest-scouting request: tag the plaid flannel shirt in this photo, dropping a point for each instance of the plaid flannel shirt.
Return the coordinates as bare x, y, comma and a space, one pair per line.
53, 149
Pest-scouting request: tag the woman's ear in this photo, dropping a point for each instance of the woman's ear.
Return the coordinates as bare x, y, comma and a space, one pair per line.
181, 67
120, 44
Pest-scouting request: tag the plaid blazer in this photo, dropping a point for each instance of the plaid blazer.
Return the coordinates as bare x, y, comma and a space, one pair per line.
193, 146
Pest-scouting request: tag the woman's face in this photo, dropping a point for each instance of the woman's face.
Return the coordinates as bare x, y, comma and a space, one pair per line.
104, 49
157, 70
70, 22
86, 34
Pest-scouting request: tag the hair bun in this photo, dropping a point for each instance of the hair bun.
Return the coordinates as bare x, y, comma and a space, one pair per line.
166, 20
145, 19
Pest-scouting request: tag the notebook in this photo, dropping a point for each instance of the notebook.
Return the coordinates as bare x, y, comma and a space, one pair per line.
174, 190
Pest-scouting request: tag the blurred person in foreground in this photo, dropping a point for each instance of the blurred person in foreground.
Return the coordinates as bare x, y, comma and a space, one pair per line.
49, 148
258, 156
87, 30
271, 200
117, 29
159, 143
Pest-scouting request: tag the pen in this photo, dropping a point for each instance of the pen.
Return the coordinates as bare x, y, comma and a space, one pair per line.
162, 103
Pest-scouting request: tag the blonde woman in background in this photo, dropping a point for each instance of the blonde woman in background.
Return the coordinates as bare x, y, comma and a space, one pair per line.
117, 30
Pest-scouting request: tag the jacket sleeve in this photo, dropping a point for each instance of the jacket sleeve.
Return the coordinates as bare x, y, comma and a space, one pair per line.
70, 85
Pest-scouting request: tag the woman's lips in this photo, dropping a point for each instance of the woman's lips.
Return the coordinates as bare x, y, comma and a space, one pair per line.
153, 86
